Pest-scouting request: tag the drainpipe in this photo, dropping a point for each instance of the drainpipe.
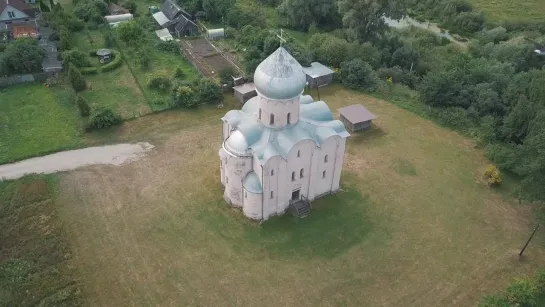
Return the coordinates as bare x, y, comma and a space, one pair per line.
262, 192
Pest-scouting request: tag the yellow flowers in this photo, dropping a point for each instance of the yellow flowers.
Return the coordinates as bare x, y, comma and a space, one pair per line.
492, 175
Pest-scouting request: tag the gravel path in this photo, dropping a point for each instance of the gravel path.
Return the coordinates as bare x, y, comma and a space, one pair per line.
69, 160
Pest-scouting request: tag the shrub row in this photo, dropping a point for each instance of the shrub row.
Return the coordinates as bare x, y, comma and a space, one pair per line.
88, 70
115, 63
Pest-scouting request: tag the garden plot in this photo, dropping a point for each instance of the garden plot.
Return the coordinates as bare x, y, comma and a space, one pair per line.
208, 60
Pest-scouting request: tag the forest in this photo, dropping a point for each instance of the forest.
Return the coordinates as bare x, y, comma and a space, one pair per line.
492, 87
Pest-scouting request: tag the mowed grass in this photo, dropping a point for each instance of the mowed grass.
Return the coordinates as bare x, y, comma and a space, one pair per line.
414, 224
35, 120
35, 267
506, 10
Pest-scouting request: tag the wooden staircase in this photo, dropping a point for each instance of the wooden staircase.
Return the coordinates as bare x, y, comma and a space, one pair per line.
301, 208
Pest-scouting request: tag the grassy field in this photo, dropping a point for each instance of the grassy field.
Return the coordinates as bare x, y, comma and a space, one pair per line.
35, 120
415, 225
506, 10
35, 267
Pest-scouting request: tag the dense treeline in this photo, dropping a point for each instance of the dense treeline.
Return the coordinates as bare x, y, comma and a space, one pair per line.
492, 87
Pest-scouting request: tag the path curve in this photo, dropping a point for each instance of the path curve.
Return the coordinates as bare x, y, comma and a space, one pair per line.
69, 160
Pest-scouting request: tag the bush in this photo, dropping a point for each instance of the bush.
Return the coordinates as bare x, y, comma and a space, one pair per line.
83, 106
89, 71
357, 74
168, 46
103, 118
130, 32
208, 91
492, 175
226, 76
159, 83
54, 36
76, 57
454, 117
76, 79
115, 63
469, 21
21, 56
179, 73
108, 39
129, 5
65, 39
522, 292
184, 96
142, 58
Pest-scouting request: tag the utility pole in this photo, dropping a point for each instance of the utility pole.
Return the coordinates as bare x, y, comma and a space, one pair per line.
528, 242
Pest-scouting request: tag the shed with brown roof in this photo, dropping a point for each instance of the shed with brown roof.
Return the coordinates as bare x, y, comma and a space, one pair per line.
356, 117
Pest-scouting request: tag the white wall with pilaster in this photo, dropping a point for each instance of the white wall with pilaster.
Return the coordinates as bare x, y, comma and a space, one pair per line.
236, 169
339, 161
280, 109
252, 205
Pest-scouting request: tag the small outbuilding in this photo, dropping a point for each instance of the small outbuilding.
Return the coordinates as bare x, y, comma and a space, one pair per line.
164, 35
356, 117
318, 75
104, 55
215, 33
244, 92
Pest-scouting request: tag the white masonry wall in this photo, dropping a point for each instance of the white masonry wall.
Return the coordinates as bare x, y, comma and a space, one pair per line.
280, 109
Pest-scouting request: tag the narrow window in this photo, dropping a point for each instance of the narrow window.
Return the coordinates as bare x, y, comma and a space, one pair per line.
272, 194
226, 179
292, 176
289, 118
302, 173
245, 194
323, 174
272, 172
221, 163
259, 113
272, 119
298, 153
325, 159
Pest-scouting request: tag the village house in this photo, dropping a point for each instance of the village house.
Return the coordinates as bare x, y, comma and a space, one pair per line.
17, 19
283, 149
175, 19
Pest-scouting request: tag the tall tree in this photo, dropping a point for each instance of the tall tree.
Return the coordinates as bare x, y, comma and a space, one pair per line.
300, 14
22, 56
364, 18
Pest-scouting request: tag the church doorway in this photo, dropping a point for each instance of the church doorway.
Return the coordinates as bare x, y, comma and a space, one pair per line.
295, 195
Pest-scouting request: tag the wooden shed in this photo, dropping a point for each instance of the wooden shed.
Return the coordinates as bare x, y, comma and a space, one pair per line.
318, 75
244, 92
356, 117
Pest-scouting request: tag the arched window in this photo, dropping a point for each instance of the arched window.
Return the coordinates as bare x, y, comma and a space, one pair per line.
272, 172
292, 176
325, 159
272, 119
302, 173
259, 113
272, 194
298, 153
289, 118
323, 174
245, 194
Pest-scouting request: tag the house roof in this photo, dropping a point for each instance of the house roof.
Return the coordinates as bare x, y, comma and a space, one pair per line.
170, 9
356, 113
161, 18
18, 4
26, 29
181, 22
245, 88
317, 70
164, 35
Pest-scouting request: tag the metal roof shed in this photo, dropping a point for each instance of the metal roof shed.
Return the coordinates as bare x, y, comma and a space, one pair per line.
216, 33
318, 75
356, 117
244, 92
164, 35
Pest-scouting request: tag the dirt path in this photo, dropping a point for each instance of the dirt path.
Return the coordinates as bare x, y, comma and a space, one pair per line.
69, 160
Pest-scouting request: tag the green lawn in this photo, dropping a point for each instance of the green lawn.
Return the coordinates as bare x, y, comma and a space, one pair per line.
507, 10
414, 224
35, 262
35, 120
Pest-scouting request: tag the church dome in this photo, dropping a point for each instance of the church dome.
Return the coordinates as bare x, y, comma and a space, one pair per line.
280, 76
236, 143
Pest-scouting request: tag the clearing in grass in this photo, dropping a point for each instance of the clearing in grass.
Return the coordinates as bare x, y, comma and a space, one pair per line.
36, 120
414, 224
506, 10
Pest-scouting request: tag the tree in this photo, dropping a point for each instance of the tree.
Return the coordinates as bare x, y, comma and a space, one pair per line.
358, 74
405, 57
103, 118
179, 73
76, 78
328, 49
130, 32
183, 96
83, 106
364, 19
226, 76
216, 9
22, 56
130, 5
65, 38
76, 57
208, 91
469, 21
43, 7
300, 14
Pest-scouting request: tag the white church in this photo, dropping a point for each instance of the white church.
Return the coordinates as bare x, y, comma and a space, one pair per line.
283, 148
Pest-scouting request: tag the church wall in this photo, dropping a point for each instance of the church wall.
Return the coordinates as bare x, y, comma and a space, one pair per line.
323, 184
252, 205
296, 163
280, 109
338, 163
277, 185
226, 128
236, 168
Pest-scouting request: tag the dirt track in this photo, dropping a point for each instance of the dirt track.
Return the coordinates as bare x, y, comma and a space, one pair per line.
69, 160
